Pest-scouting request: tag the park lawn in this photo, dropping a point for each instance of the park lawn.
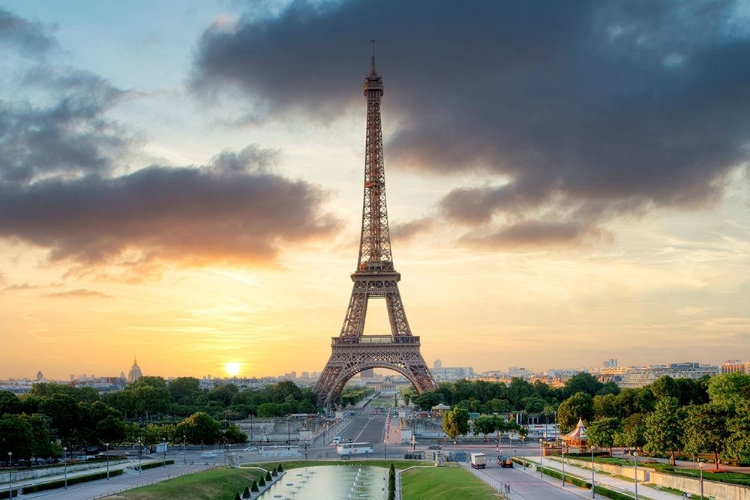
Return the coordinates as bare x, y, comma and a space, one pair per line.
206, 485
444, 483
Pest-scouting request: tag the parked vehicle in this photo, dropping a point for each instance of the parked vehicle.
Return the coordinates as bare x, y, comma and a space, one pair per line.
478, 460
504, 462
208, 454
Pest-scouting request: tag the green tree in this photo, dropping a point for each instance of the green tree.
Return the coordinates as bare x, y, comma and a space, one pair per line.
727, 389
199, 428
706, 430
578, 406
738, 425
582, 382
9, 403
456, 422
664, 426
184, 390
665, 386
606, 406
602, 432
267, 410
234, 435
110, 430
485, 424
518, 389
633, 432
16, 436
41, 441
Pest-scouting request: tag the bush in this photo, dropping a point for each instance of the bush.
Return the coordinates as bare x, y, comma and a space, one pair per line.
237, 496
274, 473
268, 476
568, 478
246, 493
281, 469
154, 465
254, 487
60, 483
261, 481
614, 495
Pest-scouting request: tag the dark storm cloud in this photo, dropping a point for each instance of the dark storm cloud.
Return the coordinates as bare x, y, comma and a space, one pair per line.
620, 107
29, 38
234, 209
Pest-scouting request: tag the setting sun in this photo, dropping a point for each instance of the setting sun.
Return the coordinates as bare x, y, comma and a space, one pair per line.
233, 369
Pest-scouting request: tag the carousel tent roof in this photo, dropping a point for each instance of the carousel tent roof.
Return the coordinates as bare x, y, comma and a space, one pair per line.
578, 434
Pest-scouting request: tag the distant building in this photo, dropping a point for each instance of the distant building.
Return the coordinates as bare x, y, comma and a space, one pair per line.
610, 363
135, 372
640, 377
438, 364
735, 366
39, 376
367, 374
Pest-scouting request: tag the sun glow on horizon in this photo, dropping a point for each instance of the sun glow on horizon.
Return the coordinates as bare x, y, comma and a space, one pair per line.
233, 369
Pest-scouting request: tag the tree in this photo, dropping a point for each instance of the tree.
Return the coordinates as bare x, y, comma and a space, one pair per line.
485, 424
578, 406
738, 444
110, 430
606, 406
199, 428
184, 390
727, 389
9, 403
602, 432
16, 436
706, 430
664, 426
456, 422
633, 432
665, 386
582, 382
267, 410
41, 446
234, 435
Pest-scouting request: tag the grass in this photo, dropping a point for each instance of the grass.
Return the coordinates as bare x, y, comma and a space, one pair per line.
444, 483
206, 485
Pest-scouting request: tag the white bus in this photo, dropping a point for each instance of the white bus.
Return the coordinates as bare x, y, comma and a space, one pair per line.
354, 448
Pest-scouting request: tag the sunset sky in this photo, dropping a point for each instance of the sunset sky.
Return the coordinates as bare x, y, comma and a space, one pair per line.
181, 181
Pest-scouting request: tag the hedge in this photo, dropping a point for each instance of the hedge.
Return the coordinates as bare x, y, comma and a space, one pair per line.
4, 493
154, 465
60, 483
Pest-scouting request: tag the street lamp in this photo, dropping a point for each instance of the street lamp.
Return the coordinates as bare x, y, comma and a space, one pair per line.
563, 463
523, 443
701, 466
288, 435
541, 456
65, 465
139, 456
635, 468
497, 448
184, 450
593, 484
10, 474
107, 447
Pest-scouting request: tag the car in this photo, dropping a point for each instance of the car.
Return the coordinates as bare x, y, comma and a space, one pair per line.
337, 440
434, 447
208, 454
504, 462
250, 448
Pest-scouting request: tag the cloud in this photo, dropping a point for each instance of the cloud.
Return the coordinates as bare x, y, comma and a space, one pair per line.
564, 107
233, 209
79, 293
24, 286
30, 38
410, 229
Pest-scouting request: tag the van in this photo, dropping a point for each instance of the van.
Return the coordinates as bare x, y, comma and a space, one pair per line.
337, 440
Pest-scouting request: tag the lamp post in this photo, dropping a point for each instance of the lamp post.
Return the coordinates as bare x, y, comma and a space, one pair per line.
139, 456
701, 466
523, 444
593, 484
563, 463
541, 456
635, 468
288, 434
184, 451
107, 447
65, 465
10, 474
497, 448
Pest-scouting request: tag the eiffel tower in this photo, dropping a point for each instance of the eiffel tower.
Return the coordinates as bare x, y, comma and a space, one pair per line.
375, 278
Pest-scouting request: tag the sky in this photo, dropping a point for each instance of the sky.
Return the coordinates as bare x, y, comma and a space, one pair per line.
182, 181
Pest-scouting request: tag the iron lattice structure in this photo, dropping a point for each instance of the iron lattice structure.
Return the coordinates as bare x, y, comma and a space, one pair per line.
375, 278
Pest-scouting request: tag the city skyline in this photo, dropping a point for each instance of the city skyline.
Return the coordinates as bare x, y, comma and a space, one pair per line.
182, 182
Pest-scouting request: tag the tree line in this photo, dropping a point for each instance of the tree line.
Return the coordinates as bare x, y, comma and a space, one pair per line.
151, 409
710, 415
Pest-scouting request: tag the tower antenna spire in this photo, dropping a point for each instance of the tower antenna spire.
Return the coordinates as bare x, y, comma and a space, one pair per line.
373, 56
